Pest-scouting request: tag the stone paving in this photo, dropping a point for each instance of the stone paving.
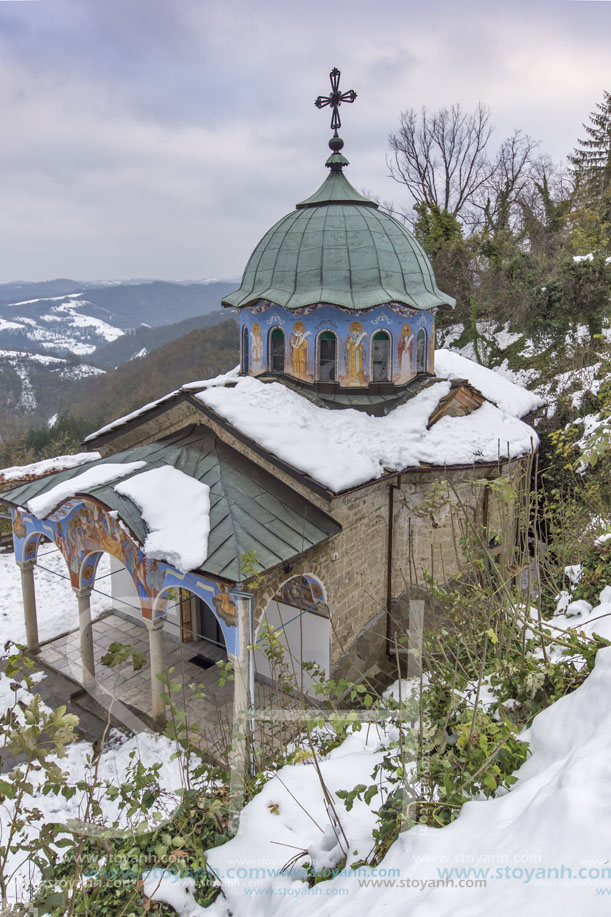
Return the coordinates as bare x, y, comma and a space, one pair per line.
213, 711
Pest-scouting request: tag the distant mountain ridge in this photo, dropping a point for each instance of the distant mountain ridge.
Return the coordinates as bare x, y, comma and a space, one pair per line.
78, 318
143, 340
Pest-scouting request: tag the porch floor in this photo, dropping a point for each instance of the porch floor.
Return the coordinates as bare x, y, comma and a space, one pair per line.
213, 712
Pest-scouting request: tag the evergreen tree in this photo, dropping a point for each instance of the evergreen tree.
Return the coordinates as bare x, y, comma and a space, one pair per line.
591, 161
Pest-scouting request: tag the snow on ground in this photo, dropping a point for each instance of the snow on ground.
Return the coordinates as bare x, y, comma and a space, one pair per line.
176, 509
523, 377
12, 693
585, 378
114, 767
22, 363
540, 849
62, 325
58, 463
56, 602
80, 371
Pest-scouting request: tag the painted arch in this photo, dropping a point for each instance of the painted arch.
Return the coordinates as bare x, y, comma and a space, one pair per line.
83, 529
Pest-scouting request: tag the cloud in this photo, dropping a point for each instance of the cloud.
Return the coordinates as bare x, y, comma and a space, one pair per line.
150, 138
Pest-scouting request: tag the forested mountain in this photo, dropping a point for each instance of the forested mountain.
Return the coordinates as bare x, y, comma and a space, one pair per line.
84, 405
200, 354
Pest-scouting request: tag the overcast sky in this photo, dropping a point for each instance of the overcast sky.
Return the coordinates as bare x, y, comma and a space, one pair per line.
162, 138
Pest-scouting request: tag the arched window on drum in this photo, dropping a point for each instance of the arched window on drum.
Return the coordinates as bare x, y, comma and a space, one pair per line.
381, 357
276, 349
245, 354
327, 357
421, 351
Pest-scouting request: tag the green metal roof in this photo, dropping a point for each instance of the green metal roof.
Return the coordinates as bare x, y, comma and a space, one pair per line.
250, 510
336, 189
337, 247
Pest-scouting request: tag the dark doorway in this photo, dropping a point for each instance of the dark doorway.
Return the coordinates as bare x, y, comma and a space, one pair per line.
245, 360
381, 356
276, 350
421, 351
327, 357
209, 627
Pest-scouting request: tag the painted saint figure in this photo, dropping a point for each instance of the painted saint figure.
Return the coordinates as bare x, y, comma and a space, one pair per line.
257, 343
405, 349
225, 606
299, 349
354, 351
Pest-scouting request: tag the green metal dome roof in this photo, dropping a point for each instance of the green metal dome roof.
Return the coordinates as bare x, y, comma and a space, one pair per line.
337, 247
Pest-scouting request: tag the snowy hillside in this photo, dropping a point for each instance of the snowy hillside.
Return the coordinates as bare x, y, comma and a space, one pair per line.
28, 381
534, 364
60, 324
90, 316
539, 849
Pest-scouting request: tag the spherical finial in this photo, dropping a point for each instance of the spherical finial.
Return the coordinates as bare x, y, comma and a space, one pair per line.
336, 143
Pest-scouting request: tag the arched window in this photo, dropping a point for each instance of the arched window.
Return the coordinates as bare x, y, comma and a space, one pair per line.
421, 351
327, 356
275, 350
245, 361
380, 357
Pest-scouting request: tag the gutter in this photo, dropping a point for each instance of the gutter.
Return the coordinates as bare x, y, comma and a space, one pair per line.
389, 562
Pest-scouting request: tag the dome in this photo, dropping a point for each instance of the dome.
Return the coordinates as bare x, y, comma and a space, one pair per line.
337, 247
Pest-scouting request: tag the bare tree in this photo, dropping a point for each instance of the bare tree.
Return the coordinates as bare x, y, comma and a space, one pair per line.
513, 177
442, 157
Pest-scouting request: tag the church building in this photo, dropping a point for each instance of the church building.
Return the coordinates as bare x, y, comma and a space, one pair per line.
301, 488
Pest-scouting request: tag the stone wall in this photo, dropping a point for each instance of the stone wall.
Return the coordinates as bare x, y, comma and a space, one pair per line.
433, 508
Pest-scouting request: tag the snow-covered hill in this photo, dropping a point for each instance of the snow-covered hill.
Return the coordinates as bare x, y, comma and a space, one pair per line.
86, 316
29, 382
535, 364
60, 324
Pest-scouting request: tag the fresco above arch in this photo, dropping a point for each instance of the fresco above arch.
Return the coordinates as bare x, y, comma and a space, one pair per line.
304, 592
84, 529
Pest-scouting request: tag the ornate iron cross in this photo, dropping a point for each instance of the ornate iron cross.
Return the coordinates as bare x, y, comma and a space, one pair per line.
335, 99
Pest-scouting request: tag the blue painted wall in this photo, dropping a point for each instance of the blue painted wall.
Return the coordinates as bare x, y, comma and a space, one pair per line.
354, 331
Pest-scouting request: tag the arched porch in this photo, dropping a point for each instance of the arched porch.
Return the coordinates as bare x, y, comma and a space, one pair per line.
150, 614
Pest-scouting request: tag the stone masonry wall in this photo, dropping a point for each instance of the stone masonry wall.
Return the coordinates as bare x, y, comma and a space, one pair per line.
429, 518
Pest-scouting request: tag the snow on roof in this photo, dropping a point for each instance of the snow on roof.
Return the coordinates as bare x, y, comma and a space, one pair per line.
127, 417
506, 395
46, 466
342, 449
97, 476
223, 379
176, 509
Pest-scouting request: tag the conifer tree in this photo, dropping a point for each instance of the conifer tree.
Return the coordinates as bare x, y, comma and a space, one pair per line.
591, 161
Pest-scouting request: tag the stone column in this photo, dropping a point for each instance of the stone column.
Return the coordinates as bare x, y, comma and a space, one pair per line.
29, 606
155, 629
86, 632
241, 721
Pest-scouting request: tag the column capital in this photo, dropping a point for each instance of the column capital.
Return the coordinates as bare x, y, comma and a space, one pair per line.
157, 624
28, 564
83, 593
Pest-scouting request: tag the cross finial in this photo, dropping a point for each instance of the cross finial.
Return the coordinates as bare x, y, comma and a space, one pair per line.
335, 99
